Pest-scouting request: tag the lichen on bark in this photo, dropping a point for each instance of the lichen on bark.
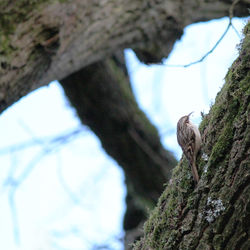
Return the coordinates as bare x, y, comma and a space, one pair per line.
215, 214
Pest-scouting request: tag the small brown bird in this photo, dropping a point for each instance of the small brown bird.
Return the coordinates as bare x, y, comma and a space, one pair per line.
189, 138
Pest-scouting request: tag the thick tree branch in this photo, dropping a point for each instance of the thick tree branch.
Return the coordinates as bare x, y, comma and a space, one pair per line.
41, 41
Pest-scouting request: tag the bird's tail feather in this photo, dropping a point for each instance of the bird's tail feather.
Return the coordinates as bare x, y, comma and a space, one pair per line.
195, 173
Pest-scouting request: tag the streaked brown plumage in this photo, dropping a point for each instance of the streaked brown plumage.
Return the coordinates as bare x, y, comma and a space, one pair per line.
189, 138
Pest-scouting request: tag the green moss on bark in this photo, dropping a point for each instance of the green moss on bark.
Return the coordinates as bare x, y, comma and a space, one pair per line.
13, 14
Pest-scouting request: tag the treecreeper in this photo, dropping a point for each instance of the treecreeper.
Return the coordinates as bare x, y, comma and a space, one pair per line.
189, 138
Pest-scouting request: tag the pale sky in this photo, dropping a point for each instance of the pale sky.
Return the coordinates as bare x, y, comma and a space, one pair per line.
70, 196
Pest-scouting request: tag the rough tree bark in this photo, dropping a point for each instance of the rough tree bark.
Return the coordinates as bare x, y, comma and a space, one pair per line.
43, 40
216, 213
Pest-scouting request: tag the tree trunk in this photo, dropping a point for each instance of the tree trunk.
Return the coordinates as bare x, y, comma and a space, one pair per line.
41, 40
104, 101
216, 213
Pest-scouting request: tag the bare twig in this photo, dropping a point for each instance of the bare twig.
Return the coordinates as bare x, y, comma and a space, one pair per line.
64, 185
231, 10
235, 30
204, 56
13, 210
48, 146
59, 139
